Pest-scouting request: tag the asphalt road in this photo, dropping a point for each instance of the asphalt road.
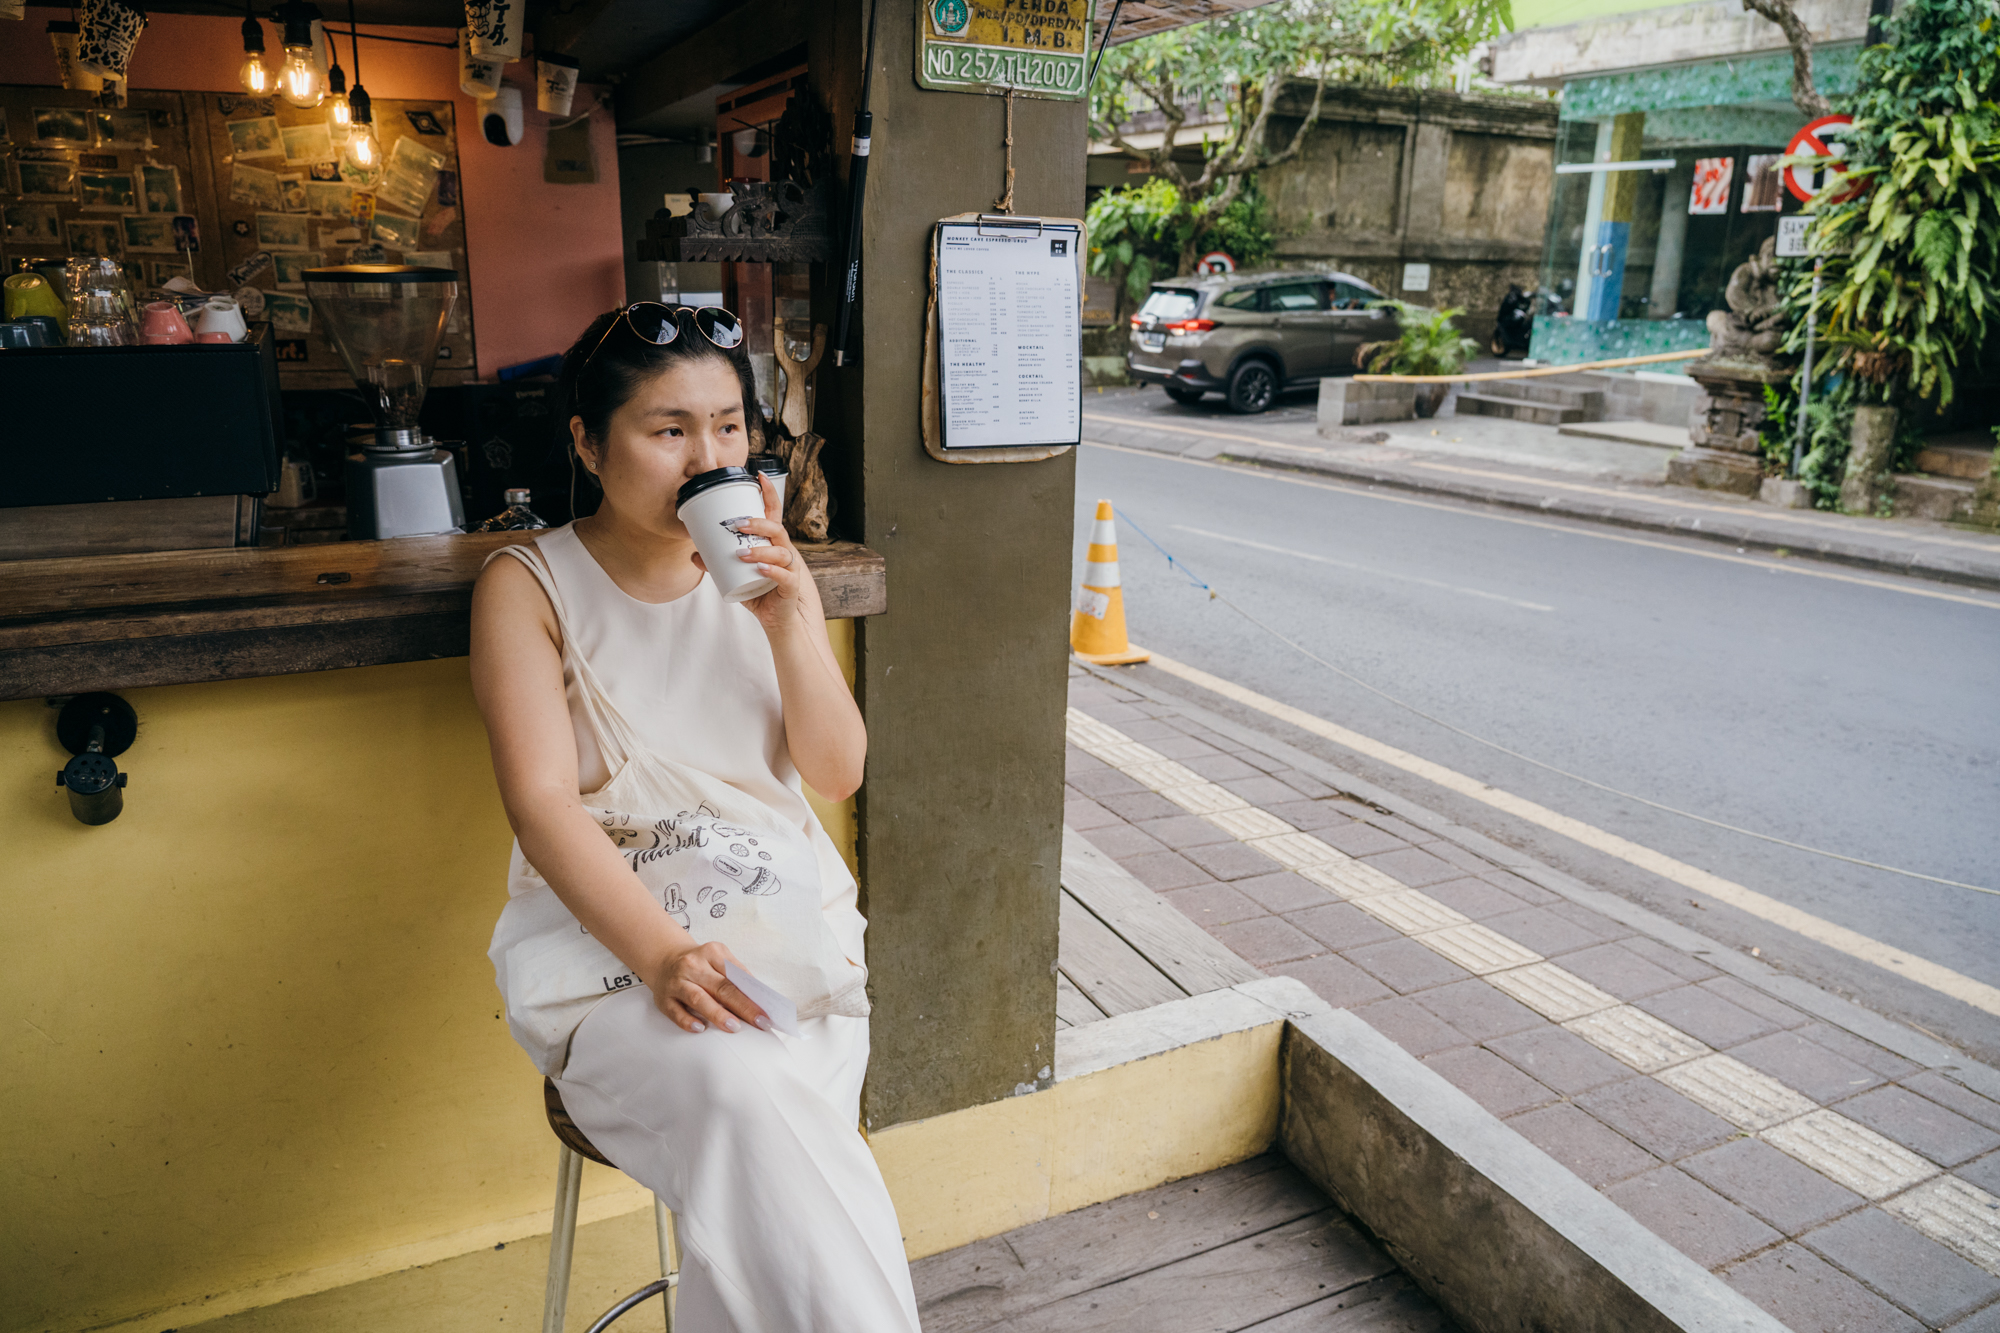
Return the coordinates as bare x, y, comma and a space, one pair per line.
1862, 719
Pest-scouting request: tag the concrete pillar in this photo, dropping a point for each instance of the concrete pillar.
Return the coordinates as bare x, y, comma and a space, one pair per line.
963, 680
1671, 247
1871, 450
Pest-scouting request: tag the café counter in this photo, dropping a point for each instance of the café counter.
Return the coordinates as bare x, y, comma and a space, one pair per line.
68, 626
256, 1045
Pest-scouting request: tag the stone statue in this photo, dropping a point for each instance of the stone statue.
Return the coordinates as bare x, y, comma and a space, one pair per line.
1750, 329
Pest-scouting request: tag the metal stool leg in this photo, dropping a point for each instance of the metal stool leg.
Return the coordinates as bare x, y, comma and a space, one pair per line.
670, 1256
562, 1238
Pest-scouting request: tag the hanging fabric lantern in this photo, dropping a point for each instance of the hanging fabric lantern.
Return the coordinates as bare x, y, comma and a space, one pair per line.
111, 30
495, 27
63, 37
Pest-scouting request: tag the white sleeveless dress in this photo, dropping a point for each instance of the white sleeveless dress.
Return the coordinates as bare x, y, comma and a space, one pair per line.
752, 1139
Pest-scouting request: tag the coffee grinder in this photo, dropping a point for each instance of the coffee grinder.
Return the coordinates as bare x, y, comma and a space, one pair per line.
386, 321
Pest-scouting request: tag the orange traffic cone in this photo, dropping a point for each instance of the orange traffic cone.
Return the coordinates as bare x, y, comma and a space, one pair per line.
1097, 629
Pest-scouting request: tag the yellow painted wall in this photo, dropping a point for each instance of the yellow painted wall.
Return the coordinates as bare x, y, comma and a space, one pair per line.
252, 1030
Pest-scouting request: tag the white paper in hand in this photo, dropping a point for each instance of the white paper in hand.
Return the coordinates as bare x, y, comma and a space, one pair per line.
784, 1015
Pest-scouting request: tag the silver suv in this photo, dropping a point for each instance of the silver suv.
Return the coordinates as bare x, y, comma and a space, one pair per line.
1247, 336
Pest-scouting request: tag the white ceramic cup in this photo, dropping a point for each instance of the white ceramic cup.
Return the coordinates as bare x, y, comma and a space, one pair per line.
221, 316
711, 506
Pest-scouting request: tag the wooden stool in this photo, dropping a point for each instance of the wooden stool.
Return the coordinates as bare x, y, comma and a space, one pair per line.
562, 1237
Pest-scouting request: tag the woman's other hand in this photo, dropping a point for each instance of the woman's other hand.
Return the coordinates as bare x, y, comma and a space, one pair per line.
689, 987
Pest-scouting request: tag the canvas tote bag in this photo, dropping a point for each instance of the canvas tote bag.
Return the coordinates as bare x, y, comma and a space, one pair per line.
723, 864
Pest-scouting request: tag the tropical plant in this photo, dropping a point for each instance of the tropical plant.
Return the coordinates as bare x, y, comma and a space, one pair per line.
1430, 344
1136, 235
1243, 64
1912, 262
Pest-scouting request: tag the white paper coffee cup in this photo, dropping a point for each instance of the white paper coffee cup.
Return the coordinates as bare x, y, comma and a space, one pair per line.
555, 83
770, 465
711, 507
478, 78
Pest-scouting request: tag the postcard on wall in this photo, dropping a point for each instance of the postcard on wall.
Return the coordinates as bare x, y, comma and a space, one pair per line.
1710, 195
160, 188
361, 212
166, 270
405, 194
121, 129
54, 181
429, 259
291, 266
187, 234
307, 143
323, 171
94, 239
283, 231
290, 313
254, 185
1763, 187
415, 158
107, 192
400, 232
292, 193
97, 161
252, 301
150, 232
33, 227
66, 125
258, 137
326, 200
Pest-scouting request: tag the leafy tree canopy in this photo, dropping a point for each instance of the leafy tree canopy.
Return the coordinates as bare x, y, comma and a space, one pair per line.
1913, 262
1242, 63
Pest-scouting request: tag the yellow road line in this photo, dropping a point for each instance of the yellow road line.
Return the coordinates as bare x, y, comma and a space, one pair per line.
1821, 931
1911, 586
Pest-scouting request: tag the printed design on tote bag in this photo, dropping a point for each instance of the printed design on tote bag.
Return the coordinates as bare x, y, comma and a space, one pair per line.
737, 857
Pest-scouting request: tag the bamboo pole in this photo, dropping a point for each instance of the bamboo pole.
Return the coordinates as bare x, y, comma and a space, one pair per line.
1531, 374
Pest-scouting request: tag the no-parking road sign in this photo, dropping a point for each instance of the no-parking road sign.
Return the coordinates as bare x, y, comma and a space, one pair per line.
1821, 139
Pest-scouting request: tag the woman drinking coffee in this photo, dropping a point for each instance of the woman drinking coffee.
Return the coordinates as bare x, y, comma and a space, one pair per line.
652, 717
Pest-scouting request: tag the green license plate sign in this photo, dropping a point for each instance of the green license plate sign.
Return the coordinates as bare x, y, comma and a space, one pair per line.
1037, 47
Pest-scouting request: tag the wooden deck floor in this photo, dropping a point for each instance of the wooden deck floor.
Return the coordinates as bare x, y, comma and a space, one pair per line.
1253, 1246
1122, 947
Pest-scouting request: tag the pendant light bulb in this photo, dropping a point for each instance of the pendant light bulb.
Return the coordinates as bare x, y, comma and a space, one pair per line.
300, 82
361, 156
339, 111
254, 76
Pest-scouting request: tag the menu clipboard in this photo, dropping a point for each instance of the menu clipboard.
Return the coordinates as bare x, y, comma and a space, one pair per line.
1003, 371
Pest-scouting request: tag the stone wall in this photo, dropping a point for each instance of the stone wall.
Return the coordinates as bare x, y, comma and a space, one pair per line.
1390, 177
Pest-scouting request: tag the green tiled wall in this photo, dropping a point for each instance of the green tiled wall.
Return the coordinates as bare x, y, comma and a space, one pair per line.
1564, 341
1707, 84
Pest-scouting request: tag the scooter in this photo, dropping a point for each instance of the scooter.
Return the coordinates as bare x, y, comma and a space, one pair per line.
1513, 323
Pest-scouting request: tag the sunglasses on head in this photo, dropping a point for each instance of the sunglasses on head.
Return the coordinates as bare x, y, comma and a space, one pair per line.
657, 324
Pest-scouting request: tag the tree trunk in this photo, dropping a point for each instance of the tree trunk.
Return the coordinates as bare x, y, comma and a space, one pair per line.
1805, 96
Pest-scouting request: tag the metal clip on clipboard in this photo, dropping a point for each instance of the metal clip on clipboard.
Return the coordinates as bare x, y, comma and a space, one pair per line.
1007, 222
1061, 375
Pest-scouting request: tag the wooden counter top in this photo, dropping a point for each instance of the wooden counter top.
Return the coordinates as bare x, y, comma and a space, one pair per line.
172, 618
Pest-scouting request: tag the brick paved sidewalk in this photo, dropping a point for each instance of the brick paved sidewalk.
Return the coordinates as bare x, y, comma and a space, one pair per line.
1830, 1180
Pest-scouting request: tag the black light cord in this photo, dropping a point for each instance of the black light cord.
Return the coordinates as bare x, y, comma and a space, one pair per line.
1103, 42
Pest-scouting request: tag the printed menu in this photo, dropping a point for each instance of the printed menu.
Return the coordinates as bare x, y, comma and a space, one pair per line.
1009, 349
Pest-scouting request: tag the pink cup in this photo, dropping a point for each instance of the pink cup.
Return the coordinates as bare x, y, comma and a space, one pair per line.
213, 338
161, 324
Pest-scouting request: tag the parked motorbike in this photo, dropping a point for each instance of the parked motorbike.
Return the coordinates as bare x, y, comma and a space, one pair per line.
1513, 323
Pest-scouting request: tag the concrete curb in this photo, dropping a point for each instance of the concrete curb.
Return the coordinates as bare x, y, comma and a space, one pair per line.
1850, 1017
1970, 569
1967, 570
1499, 1233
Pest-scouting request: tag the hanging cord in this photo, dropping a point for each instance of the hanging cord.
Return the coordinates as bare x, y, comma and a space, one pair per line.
1215, 595
1103, 42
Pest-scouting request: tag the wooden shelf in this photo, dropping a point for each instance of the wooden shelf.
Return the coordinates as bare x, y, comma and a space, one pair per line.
177, 617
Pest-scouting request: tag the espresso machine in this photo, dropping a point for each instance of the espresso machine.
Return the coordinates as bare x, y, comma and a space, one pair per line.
386, 321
